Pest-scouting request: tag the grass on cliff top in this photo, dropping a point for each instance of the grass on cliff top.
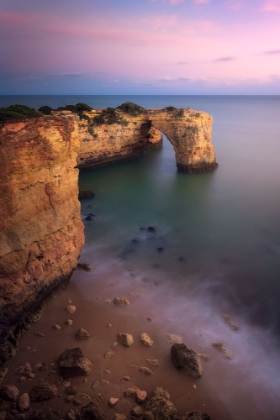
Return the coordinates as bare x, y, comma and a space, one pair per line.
18, 112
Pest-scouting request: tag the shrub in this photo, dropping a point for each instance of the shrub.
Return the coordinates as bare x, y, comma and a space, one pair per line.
131, 108
83, 107
18, 112
46, 110
170, 108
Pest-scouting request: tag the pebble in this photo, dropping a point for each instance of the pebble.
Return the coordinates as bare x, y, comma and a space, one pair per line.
125, 339
24, 402
56, 327
146, 370
71, 309
113, 401
39, 334
122, 301
109, 354
69, 322
146, 340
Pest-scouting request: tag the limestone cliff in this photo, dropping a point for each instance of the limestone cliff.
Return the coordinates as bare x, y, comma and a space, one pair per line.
106, 144
189, 132
40, 224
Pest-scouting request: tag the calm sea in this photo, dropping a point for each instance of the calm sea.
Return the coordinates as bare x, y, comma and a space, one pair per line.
220, 231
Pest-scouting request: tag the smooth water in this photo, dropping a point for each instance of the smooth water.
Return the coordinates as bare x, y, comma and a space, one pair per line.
220, 231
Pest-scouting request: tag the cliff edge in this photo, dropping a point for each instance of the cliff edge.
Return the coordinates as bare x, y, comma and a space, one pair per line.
114, 135
40, 224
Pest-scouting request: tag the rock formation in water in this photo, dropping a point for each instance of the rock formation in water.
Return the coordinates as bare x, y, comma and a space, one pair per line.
40, 224
126, 135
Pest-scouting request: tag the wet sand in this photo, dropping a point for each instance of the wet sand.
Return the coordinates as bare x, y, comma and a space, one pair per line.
224, 390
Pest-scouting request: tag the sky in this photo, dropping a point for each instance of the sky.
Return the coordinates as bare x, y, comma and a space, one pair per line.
155, 47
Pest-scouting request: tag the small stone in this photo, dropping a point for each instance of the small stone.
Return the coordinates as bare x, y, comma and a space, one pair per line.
146, 370
126, 378
173, 338
66, 383
109, 325
104, 381
122, 301
69, 322
43, 392
69, 301
9, 392
149, 318
77, 402
114, 344
152, 362
146, 340
113, 401
109, 354
120, 417
39, 334
221, 348
22, 379
137, 411
82, 334
69, 398
70, 309
125, 339
71, 415
160, 249
162, 393
85, 396
148, 415
71, 390
56, 327
194, 386
85, 381
106, 371
108, 300
24, 402
141, 396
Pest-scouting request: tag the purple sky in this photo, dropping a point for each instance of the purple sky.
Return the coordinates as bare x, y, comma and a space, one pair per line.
140, 47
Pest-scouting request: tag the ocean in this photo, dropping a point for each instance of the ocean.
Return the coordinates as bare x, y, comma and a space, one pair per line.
220, 239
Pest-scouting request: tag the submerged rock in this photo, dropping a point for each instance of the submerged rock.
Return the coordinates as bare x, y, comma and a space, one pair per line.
186, 359
83, 266
85, 194
72, 363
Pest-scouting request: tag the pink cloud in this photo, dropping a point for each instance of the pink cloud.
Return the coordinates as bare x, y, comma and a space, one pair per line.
272, 6
11, 17
201, 1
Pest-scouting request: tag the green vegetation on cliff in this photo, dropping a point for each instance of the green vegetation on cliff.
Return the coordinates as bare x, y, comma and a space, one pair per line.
18, 112
131, 109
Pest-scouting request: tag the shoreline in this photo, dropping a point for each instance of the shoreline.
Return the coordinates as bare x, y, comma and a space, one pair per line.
89, 292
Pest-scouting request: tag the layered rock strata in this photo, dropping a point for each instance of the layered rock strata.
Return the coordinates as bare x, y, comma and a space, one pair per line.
189, 132
40, 224
107, 144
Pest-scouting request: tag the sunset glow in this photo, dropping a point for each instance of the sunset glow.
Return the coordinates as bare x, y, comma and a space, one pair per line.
140, 47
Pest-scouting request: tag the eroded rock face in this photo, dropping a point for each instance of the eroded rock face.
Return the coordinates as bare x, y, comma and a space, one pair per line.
40, 224
107, 144
189, 132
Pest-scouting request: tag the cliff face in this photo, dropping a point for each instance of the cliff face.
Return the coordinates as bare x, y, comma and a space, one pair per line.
107, 144
189, 132
40, 224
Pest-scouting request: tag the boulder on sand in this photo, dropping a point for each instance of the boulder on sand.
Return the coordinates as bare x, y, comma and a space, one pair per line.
186, 359
72, 363
92, 412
